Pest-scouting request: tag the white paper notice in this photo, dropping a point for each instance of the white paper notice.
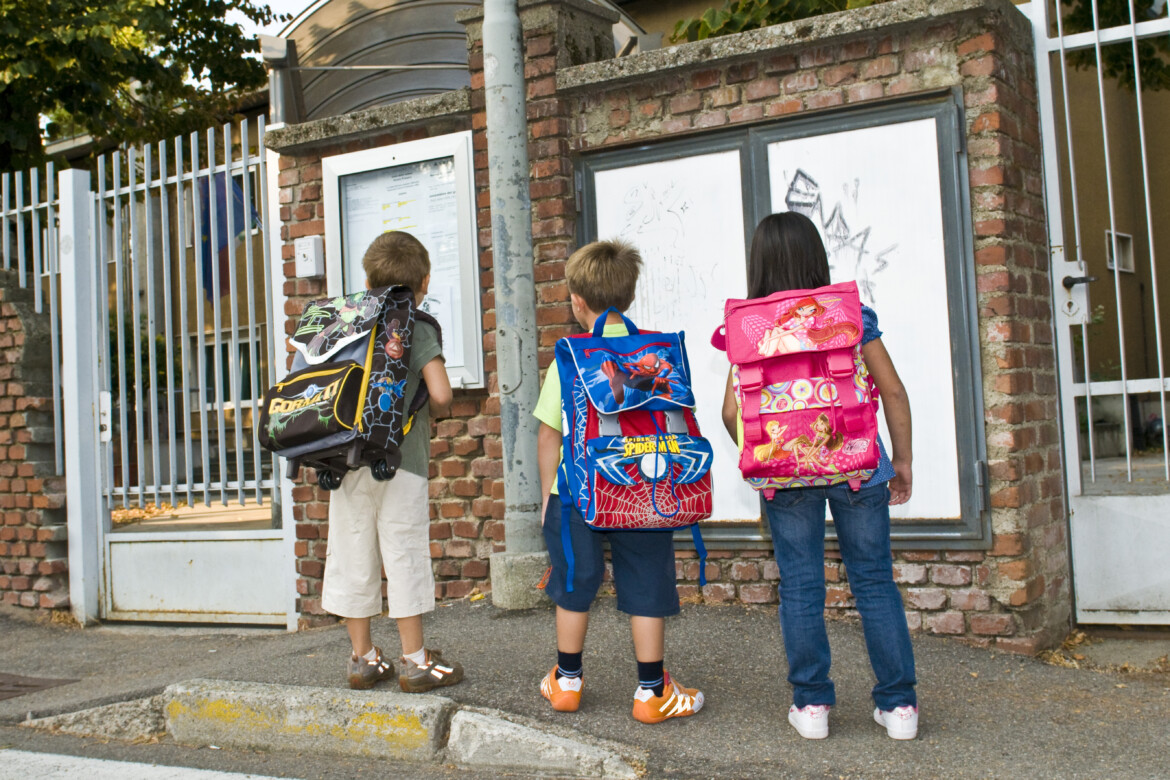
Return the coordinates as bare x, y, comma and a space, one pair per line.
686, 218
418, 198
875, 195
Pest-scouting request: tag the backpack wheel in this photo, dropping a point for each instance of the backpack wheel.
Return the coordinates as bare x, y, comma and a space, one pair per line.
328, 480
382, 471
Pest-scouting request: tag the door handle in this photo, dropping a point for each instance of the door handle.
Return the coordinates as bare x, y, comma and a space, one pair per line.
1069, 282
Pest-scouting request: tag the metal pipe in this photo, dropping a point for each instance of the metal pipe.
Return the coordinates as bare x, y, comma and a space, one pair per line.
518, 371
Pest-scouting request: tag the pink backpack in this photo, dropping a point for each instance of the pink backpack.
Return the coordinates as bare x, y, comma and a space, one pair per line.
808, 404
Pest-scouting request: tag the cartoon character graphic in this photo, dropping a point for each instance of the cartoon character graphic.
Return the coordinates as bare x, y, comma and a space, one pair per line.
796, 330
774, 449
390, 392
395, 336
815, 454
650, 373
343, 312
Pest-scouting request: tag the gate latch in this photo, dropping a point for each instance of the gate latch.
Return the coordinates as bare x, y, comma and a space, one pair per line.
105, 429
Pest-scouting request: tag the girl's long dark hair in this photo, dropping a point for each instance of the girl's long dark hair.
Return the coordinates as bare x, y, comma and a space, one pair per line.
787, 254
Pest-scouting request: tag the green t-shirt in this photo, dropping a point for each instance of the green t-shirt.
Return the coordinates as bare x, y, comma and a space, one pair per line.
416, 447
548, 406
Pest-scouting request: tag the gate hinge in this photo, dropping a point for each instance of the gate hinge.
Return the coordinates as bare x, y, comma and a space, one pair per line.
981, 484
105, 408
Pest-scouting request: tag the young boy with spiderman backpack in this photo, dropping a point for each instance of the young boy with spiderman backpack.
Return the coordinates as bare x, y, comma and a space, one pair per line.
653, 477
808, 362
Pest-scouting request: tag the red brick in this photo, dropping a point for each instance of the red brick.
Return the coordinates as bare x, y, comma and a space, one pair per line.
1026, 645
943, 574
909, 573
984, 42
945, 623
757, 593
926, 598
745, 572
993, 625
1008, 544
969, 600
718, 592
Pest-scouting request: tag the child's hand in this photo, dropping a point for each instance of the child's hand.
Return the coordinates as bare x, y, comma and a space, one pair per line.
902, 484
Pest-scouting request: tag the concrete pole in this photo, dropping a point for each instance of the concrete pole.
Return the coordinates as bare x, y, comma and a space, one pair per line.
515, 572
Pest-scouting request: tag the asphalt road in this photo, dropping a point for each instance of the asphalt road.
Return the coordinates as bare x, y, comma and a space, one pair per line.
984, 714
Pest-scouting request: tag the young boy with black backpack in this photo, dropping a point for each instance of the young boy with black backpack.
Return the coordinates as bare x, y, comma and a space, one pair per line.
601, 277
385, 524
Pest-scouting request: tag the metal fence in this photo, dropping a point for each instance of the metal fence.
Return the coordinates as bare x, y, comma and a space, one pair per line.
28, 230
1102, 174
178, 235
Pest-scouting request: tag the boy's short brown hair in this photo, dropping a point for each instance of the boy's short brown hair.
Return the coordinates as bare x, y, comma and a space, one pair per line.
604, 274
396, 258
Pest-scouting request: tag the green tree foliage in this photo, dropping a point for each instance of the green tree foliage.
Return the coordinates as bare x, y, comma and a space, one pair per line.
737, 16
1117, 59
121, 70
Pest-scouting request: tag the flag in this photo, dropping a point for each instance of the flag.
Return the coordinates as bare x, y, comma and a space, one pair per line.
241, 224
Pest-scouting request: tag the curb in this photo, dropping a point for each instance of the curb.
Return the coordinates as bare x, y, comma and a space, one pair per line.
381, 724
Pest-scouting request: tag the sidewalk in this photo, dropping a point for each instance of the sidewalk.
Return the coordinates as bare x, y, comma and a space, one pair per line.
984, 714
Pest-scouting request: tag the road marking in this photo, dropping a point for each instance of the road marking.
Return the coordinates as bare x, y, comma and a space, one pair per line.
21, 765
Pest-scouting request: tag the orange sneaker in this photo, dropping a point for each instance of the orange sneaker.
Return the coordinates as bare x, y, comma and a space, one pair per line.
563, 693
675, 702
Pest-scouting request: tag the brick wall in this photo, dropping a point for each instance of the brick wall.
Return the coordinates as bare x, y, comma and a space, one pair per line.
33, 567
466, 492
1016, 594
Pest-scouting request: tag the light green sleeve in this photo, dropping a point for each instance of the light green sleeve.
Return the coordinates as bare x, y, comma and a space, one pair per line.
548, 406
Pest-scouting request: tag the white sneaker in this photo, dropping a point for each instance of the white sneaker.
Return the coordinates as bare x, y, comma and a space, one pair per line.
811, 721
900, 722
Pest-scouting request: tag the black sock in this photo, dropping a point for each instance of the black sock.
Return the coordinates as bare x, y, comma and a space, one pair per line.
650, 676
568, 664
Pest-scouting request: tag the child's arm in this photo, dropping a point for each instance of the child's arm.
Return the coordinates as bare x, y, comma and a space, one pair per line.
548, 458
434, 373
896, 404
730, 410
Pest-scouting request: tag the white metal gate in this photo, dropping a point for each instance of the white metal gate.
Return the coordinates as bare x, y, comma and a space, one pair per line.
171, 305
1107, 172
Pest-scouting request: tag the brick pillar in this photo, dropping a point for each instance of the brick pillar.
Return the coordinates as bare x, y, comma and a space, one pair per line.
33, 563
1026, 570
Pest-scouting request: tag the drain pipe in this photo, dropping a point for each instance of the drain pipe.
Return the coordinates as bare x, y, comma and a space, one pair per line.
514, 573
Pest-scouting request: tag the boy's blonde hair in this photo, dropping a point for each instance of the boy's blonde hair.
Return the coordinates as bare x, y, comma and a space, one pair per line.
604, 274
396, 258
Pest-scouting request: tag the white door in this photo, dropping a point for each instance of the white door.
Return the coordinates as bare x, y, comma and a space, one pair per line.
1107, 169
195, 530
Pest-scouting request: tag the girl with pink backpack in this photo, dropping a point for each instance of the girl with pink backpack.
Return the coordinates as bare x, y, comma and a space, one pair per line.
800, 426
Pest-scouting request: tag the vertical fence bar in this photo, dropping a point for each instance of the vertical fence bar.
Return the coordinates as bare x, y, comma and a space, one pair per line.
253, 327
234, 378
1072, 175
54, 314
184, 346
136, 334
164, 211
217, 356
20, 229
1116, 255
120, 263
1137, 73
4, 193
37, 238
151, 341
270, 316
102, 255
201, 250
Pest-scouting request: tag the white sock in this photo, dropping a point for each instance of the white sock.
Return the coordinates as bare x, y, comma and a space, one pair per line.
372, 655
419, 658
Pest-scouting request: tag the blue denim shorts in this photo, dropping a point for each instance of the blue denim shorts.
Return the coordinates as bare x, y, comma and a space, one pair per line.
643, 566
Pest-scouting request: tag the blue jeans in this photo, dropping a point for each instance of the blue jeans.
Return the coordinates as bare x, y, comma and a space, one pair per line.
862, 518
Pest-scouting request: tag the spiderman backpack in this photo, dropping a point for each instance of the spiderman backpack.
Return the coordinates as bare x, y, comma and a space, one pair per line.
633, 458
343, 405
808, 404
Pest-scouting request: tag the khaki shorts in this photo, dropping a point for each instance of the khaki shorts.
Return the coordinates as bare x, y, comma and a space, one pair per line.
374, 526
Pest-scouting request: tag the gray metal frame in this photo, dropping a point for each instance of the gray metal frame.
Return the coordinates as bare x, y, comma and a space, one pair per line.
973, 530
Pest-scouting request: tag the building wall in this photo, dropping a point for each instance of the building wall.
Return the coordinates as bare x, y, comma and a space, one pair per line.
1014, 595
33, 564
